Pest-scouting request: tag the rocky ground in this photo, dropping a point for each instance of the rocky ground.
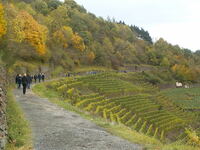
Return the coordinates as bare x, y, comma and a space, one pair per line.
57, 129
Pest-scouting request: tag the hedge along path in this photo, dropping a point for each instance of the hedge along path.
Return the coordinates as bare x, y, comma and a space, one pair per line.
57, 129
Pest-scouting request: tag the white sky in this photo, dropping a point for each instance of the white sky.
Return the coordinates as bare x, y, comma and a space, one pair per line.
177, 21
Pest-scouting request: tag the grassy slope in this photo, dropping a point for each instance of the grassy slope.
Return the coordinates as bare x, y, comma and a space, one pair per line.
119, 130
18, 128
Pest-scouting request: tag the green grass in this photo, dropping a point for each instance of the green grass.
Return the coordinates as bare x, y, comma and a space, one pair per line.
18, 128
149, 143
185, 98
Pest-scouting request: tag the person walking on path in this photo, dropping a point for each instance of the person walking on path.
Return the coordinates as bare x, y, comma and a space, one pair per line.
35, 77
24, 83
39, 77
16, 79
43, 77
19, 81
29, 81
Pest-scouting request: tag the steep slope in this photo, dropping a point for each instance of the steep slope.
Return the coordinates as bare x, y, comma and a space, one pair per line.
65, 36
118, 98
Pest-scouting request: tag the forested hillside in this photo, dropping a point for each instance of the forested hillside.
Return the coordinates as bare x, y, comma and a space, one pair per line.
63, 36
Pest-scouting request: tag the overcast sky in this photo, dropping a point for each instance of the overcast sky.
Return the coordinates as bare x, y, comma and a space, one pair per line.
177, 21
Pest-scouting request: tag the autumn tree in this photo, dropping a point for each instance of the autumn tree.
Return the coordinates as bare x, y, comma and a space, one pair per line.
26, 28
165, 62
40, 6
26, 7
63, 36
3, 23
91, 57
53, 4
77, 36
185, 73
107, 44
59, 18
87, 37
78, 42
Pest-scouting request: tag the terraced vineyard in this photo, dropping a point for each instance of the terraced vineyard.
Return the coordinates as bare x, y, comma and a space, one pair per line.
139, 106
185, 98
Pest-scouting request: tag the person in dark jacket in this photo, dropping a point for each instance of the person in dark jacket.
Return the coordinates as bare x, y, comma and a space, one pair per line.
19, 81
35, 77
24, 83
16, 78
68, 74
39, 77
43, 77
29, 81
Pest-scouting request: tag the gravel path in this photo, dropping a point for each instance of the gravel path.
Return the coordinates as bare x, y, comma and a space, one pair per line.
57, 129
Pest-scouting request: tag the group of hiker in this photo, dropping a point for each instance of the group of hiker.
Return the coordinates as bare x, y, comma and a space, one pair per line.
25, 80
40, 77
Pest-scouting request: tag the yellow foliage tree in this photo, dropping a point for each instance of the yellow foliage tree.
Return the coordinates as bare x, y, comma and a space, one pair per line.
78, 42
91, 56
26, 28
64, 36
3, 24
185, 72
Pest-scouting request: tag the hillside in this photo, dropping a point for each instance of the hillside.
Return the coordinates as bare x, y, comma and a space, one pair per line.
126, 99
64, 36
114, 74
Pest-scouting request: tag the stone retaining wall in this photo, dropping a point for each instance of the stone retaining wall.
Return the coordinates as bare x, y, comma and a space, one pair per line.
3, 124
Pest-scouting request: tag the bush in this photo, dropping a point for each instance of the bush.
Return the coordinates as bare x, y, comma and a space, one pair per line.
151, 78
57, 71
